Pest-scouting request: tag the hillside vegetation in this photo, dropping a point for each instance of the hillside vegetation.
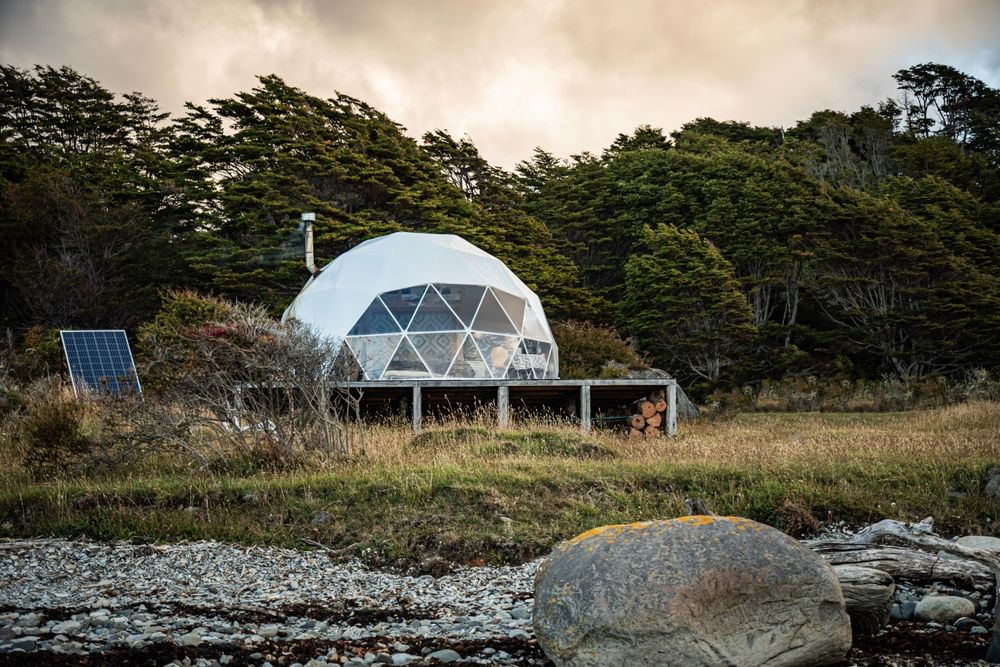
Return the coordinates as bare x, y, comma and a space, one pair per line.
856, 244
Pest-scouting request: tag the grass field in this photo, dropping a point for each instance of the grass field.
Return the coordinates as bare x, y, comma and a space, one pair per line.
469, 494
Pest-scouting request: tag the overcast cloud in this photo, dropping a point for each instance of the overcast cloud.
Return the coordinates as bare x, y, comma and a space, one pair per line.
567, 75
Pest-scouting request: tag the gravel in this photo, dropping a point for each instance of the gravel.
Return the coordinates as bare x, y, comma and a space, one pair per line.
207, 604
86, 597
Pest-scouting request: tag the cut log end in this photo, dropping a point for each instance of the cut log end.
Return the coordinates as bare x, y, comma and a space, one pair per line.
637, 421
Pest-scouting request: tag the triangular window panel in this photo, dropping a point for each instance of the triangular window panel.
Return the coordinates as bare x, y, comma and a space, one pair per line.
433, 314
532, 327
402, 303
373, 352
405, 364
497, 351
437, 349
552, 368
492, 318
530, 360
468, 363
463, 299
346, 366
513, 305
376, 320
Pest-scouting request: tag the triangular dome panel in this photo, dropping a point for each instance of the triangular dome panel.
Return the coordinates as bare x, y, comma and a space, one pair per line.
491, 317
406, 364
433, 314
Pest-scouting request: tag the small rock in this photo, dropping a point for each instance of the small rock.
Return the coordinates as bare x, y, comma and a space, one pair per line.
908, 609
520, 613
943, 608
269, 631
66, 627
444, 655
403, 658
518, 633
23, 644
190, 639
978, 630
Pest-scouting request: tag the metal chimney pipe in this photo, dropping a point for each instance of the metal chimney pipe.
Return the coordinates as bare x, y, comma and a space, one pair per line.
307, 223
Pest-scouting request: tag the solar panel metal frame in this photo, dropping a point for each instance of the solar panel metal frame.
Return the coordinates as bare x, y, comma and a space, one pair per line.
78, 374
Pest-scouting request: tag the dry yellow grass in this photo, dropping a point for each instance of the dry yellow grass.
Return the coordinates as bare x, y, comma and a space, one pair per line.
466, 491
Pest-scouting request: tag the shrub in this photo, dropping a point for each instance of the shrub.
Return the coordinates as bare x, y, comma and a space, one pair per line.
589, 351
51, 433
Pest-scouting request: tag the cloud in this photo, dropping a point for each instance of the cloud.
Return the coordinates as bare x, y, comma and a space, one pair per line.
567, 75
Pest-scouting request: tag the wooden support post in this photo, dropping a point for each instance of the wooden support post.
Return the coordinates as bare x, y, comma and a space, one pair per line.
503, 406
672, 409
585, 408
416, 408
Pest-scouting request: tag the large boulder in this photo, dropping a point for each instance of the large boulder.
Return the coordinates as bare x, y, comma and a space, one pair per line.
698, 590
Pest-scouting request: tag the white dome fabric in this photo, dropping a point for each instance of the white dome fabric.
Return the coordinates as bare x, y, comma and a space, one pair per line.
429, 306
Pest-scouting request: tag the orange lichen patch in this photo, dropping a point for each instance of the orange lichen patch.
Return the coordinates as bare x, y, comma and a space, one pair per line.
612, 532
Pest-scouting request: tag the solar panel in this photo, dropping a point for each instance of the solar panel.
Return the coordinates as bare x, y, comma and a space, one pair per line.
100, 361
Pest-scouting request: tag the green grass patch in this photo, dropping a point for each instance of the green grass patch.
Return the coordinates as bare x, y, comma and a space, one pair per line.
475, 495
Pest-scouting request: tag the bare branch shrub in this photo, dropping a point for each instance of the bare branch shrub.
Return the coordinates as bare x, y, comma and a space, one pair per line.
264, 389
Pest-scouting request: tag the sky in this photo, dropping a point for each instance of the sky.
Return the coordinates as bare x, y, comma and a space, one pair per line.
565, 75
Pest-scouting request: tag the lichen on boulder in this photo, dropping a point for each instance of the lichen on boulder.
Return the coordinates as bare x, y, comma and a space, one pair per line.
697, 590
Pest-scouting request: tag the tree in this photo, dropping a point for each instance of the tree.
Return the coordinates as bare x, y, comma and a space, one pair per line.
684, 304
900, 295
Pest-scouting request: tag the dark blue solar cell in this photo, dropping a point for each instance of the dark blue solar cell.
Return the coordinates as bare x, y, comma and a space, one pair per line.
100, 362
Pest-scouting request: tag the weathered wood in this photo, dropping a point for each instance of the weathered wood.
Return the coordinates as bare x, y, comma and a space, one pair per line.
867, 596
903, 563
417, 408
661, 405
503, 407
921, 535
636, 433
637, 421
652, 431
655, 420
647, 408
697, 507
585, 408
672, 409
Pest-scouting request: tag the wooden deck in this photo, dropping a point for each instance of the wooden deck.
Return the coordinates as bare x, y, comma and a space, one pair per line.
579, 398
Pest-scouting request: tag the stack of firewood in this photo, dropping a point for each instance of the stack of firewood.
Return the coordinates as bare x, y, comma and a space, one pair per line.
649, 416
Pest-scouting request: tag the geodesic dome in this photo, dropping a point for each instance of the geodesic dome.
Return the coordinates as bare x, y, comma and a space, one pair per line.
429, 306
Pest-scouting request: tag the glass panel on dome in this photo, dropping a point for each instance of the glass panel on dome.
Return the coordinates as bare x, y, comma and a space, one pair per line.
346, 366
496, 350
433, 314
405, 364
468, 363
373, 352
491, 317
463, 299
530, 360
513, 305
552, 368
376, 320
437, 349
403, 302
532, 327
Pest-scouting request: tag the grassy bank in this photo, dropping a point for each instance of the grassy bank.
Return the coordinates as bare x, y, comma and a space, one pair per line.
469, 494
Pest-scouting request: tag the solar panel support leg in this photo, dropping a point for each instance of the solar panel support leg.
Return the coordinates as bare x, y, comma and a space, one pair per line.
416, 408
585, 408
503, 406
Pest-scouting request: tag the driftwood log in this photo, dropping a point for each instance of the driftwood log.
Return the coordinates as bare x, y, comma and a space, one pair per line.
867, 596
902, 563
910, 551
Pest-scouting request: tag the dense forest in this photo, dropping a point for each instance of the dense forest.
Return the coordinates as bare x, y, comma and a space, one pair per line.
853, 245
